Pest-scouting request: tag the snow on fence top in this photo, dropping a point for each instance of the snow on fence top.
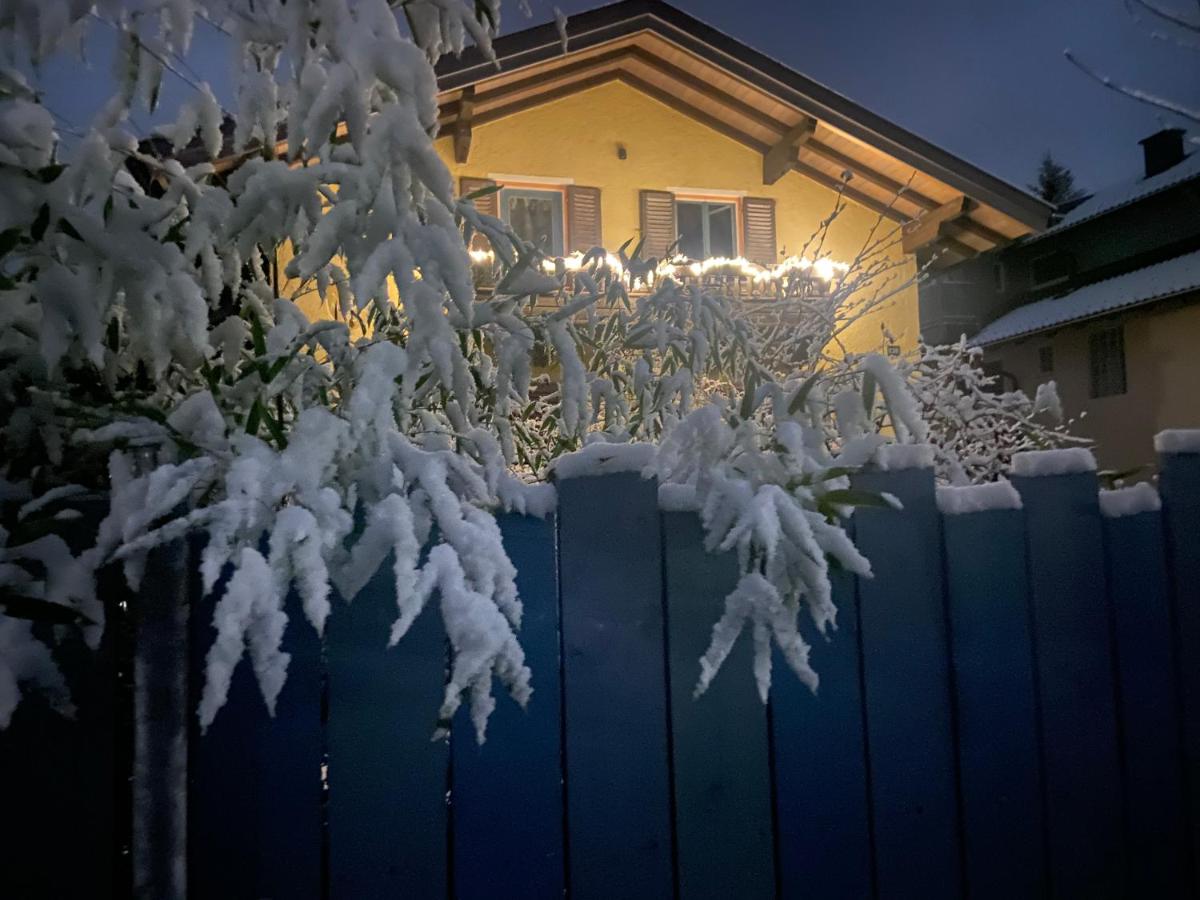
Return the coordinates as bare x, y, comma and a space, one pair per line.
1066, 461
538, 500
604, 459
895, 457
954, 501
1129, 501
1178, 440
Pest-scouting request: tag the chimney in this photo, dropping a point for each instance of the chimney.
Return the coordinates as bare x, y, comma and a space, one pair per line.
1163, 150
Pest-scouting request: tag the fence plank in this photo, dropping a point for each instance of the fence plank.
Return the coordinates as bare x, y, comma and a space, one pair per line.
619, 840
254, 782
821, 783
720, 740
1140, 595
506, 799
1180, 485
65, 800
1003, 815
1072, 647
908, 691
387, 814
160, 679
58, 784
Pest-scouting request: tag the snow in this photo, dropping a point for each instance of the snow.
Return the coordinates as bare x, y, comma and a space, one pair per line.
902, 406
1178, 440
955, 501
1129, 501
538, 500
1159, 281
51, 496
604, 459
1047, 401
23, 658
678, 498
897, 457
560, 24
1064, 461
250, 611
1124, 194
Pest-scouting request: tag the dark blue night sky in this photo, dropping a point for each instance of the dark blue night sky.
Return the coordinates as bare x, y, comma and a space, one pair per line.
986, 79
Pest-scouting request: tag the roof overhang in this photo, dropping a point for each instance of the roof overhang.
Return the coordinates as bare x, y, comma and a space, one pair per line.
797, 124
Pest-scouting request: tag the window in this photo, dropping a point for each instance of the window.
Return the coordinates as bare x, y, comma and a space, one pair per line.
1106, 353
1046, 359
998, 277
706, 229
535, 216
1052, 268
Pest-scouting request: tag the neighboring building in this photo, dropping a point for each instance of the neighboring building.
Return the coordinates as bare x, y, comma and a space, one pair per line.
652, 125
1106, 302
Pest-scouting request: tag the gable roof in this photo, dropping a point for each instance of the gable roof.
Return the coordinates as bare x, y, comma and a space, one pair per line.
1129, 192
1180, 275
751, 98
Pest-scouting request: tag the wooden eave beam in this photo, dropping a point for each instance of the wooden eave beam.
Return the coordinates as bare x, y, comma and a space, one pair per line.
498, 97
462, 125
886, 210
933, 225
682, 106
555, 93
784, 154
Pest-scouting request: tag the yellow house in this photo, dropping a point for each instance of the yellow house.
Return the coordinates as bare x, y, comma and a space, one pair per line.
638, 121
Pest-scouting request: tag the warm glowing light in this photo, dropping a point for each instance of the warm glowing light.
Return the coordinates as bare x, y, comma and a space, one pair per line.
825, 269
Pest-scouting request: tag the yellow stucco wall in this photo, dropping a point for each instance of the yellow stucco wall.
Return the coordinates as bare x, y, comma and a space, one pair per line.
576, 137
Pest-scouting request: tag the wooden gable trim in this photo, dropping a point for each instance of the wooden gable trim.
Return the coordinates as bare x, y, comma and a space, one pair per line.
493, 113
462, 126
629, 18
783, 156
887, 210
933, 225
786, 154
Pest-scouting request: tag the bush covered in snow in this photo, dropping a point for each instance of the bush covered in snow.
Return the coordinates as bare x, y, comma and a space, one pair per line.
153, 355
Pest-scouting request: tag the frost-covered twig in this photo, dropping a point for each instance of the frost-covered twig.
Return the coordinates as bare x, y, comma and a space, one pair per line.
1133, 93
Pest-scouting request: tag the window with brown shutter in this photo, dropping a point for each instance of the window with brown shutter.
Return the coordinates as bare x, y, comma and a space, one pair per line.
758, 230
489, 205
583, 218
658, 223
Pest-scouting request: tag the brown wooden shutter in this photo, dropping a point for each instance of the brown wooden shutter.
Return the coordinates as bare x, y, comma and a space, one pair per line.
488, 205
659, 230
583, 218
758, 230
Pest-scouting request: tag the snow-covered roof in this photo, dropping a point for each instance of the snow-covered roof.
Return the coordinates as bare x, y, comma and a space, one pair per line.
1119, 195
1157, 282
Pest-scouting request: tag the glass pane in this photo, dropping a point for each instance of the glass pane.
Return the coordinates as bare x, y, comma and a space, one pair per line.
536, 217
690, 219
720, 230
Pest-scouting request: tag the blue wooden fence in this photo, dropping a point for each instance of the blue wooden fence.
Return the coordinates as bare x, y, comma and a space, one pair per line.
1010, 708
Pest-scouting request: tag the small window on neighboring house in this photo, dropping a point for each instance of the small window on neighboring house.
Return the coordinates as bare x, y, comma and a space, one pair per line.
1051, 269
998, 274
535, 216
1106, 351
706, 229
1046, 359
